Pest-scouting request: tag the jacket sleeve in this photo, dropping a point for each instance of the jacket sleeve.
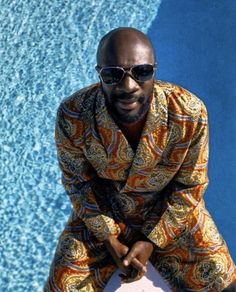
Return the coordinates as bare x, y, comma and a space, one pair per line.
187, 189
78, 174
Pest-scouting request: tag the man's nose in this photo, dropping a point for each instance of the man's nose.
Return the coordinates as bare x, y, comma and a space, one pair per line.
129, 84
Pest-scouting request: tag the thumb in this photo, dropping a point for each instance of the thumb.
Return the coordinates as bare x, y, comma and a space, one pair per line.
136, 264
128, 259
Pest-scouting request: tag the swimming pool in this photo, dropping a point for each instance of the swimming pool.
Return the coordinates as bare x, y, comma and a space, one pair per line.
47, 51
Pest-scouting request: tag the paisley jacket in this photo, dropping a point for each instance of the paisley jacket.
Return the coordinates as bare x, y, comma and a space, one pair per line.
155, 189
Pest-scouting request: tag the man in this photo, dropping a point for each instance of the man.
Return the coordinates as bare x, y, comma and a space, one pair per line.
133, 153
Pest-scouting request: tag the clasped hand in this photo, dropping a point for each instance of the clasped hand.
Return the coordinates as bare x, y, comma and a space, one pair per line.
132, 262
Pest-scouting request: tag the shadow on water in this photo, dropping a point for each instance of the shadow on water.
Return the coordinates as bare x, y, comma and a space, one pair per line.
195, 46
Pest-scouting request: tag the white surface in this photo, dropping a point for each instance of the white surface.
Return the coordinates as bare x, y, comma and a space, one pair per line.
152, 281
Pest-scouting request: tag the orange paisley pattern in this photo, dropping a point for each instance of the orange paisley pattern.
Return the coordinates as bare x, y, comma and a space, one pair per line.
156, 190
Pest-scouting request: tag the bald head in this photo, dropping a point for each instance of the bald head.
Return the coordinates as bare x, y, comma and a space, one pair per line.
124, 44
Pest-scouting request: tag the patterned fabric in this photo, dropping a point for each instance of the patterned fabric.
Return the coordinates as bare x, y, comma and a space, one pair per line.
156, 190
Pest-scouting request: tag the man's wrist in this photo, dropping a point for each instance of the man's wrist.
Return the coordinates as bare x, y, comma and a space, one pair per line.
143, 237
110, 239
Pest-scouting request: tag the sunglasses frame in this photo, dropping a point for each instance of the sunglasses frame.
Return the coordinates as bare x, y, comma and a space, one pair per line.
125, 71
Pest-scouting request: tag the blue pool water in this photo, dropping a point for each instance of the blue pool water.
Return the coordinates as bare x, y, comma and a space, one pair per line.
47, 51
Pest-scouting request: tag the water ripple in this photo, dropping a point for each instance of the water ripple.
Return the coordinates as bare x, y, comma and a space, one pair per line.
47, 51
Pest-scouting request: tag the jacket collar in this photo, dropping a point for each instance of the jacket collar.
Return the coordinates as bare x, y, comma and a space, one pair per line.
152, 142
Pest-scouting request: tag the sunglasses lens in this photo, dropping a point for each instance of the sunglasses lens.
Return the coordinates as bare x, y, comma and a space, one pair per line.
111, 75
143, 72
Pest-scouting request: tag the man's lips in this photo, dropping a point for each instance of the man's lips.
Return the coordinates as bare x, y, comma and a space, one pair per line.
127, 104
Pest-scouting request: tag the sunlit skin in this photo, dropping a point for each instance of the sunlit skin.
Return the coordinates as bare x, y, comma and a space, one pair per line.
128, 101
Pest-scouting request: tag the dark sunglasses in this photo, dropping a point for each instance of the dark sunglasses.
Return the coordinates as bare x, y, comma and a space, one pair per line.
113, 75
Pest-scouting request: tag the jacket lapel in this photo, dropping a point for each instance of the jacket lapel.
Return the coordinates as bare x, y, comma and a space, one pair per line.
152, 143
119, 154
118, 161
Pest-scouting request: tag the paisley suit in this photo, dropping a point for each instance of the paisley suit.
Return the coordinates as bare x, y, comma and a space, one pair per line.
156, 191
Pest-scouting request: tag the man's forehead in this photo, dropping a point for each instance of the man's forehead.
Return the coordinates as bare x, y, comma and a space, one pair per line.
129, 56
126, 52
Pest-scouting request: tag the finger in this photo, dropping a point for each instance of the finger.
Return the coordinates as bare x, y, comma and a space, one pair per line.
123, 276
119, 262
134, 275
138, 266
131, 275
123, 268
131, 259
127, 280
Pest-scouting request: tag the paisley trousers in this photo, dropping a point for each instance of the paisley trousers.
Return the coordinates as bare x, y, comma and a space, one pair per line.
198, 260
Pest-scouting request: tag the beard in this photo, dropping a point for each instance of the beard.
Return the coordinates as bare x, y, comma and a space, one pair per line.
126, 118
